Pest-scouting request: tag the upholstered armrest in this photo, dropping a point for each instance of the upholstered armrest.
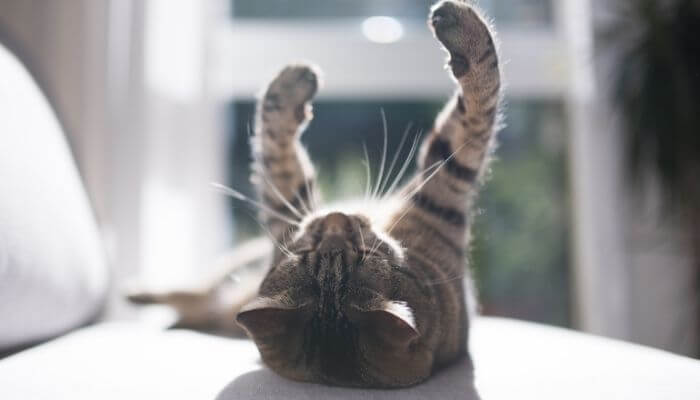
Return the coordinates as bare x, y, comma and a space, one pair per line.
53, 275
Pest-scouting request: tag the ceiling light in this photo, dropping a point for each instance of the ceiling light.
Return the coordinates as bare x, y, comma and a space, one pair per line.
381, 29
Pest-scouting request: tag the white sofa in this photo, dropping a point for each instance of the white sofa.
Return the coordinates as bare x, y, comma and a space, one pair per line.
53, 279
514, 360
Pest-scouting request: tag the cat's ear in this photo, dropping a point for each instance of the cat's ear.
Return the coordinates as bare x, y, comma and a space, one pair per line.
269, 317
390, 321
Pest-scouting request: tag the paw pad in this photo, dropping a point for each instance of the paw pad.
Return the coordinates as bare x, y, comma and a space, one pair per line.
293, 86
463, 34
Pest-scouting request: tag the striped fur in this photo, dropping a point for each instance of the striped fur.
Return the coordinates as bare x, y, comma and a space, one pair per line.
351, 299
431, 224
282, 172
462, 136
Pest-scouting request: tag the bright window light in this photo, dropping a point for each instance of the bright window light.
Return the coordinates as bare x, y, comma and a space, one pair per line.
381, 29
173, 61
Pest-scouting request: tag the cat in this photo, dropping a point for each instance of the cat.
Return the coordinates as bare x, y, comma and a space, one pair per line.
368, 296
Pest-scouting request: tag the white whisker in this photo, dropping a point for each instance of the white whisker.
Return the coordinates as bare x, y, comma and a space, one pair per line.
240, 196
311, 200
362, 240
440, 164
263, 173
411, 206
276, 191
285, 237
395, 158
304, 206
282, 248
368, 168
384, 150
405, 165
420, 186
446, 280
426, 171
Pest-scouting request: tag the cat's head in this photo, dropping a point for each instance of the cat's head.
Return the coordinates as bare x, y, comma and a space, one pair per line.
341, 309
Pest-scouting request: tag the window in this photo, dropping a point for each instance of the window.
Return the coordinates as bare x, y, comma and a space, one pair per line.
524, 12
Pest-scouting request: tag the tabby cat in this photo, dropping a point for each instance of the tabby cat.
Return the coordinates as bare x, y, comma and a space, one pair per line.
353, 298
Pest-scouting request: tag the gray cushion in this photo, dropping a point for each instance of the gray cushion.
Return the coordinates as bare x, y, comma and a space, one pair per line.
53, 275
514, 360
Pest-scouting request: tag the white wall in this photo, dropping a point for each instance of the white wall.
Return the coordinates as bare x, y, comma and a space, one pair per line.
146, 156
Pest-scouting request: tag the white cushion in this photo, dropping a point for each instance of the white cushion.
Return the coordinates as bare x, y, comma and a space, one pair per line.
514, 360
53, 275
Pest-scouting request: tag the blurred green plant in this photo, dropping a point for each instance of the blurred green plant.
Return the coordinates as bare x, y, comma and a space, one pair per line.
656, 88
520, 253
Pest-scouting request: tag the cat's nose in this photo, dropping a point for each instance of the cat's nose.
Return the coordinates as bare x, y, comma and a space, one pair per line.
336, 223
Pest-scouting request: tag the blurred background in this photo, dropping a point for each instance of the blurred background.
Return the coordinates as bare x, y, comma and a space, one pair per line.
590, 216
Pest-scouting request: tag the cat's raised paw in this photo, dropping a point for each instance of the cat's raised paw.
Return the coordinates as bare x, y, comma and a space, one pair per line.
294, 86
465, 35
